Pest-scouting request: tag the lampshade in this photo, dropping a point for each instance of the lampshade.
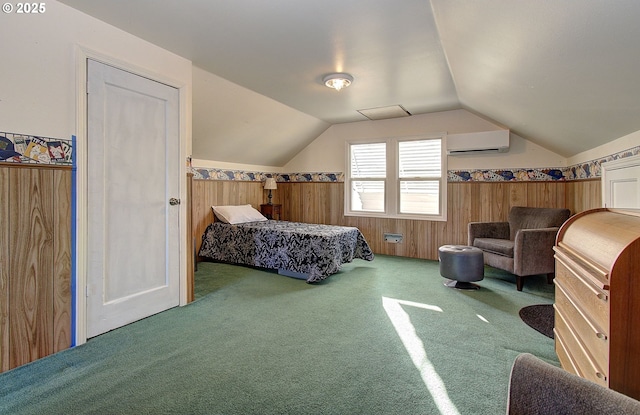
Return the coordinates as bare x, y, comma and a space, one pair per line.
270, 183
338, 81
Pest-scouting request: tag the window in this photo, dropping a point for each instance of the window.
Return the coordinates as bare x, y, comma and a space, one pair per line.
368, 176
402, 178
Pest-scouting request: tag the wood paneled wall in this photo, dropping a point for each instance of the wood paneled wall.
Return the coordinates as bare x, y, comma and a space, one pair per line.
207, 193
467, 202
584, 195
35, 263
191, 265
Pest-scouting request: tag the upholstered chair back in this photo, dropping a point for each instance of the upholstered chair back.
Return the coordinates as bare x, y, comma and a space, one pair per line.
535, 218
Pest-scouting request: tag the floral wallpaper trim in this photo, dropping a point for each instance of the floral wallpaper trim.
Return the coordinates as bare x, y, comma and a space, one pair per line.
592, 169
587, 170
240, 175
508, 175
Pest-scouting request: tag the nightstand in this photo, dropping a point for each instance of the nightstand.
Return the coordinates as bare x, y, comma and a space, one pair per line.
271, 211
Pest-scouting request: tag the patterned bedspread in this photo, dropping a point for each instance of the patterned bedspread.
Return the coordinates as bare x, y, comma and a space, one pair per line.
315, 250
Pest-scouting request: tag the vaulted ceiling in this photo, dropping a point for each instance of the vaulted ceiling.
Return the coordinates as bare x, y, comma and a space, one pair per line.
564, 74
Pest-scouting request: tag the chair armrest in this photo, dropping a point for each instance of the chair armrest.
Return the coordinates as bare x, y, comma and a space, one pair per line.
533, 251
495, 230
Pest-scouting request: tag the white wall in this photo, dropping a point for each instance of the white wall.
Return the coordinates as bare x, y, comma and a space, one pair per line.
38, 75
327, 152
225, 165
234, 124
621, 144
39, 90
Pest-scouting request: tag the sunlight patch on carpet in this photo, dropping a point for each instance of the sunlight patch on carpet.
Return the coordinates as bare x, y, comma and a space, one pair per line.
407, 333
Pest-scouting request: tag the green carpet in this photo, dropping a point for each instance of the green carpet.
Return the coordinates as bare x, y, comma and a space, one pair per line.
255, 342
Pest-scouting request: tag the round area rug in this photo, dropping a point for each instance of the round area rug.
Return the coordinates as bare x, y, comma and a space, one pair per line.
539, 317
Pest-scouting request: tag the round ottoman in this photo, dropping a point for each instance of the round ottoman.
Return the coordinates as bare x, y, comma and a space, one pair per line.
461, 265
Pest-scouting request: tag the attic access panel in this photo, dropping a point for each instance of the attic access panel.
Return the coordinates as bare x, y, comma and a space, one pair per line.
383, 113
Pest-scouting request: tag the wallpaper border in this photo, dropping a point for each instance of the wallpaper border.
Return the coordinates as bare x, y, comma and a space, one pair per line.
588, 170
31, 149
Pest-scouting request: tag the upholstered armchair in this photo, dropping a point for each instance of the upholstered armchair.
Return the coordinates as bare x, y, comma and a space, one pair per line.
539, 388
522, 246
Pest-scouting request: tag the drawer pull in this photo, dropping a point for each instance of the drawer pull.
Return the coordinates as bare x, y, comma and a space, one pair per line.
602, 297
601, 336
601, 375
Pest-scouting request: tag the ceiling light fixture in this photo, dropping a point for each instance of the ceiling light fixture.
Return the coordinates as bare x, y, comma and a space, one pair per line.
338, 81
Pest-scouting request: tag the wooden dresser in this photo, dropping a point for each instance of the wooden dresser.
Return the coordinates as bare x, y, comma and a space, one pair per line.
597, 308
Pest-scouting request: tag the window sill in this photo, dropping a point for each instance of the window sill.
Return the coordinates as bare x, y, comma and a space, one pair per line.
379, 215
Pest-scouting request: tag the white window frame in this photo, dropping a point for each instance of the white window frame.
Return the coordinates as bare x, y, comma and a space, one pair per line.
392, 180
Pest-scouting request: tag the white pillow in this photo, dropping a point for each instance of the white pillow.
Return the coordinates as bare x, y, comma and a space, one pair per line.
237, 214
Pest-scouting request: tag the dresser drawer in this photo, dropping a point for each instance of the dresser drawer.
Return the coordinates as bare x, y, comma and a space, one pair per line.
594, 340
579, 356
593, 301
564, 355
597, 255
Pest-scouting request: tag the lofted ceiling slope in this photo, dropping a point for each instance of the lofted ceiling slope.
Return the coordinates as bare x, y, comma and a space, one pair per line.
560, 73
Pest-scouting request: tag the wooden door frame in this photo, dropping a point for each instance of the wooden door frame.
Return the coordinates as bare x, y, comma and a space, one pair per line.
79, 284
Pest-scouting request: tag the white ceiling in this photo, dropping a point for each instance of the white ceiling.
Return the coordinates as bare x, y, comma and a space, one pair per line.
564, 74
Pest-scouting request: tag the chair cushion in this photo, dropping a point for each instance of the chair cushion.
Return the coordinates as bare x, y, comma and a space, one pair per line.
495, 246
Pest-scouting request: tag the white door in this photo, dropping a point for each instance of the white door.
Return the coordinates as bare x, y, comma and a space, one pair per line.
621, 183
133, 171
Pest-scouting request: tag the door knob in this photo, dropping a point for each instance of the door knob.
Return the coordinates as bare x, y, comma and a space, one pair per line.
173, 201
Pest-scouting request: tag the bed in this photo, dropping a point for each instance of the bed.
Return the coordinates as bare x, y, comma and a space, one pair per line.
302, 250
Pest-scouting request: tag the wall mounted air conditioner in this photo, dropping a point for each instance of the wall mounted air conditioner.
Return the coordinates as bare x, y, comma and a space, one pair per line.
478, 143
